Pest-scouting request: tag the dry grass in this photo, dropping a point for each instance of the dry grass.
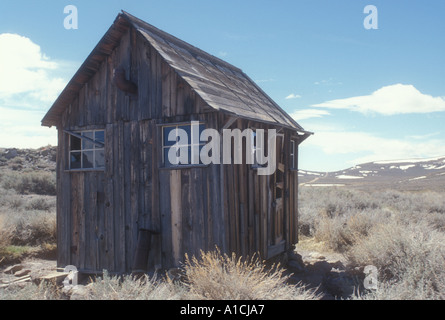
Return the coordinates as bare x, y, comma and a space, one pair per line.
31, 291
34, 182
217, 276
401, 233
130, 288
27, 225
410, 260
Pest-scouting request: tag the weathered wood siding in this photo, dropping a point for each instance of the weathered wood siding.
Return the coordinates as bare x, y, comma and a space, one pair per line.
101, 212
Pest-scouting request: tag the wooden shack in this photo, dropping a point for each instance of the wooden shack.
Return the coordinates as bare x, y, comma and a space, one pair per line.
121, 205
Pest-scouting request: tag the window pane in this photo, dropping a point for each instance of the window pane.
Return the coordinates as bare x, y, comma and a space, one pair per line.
87, 144
87, 159
75, 162
188, 131
99, 159
75, 143
167, 131
166, 161
99, 136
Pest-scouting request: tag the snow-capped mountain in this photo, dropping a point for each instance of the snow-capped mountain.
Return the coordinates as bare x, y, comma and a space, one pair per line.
410, 174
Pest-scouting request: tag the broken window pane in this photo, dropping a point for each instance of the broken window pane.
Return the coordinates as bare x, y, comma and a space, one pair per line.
75, 160
87, 143
75, 143
99, 159
99, 136
87, 157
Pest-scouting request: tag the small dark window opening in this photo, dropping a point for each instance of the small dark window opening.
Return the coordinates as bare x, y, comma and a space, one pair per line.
87, 150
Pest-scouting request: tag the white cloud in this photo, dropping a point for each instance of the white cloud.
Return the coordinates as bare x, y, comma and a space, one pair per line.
22, 129
28, 87
390, 100
328, 82
308, 113
25, 70
293, 96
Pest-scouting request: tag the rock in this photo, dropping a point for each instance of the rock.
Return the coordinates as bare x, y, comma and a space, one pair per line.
291, 255
340, 284
296, 266
10, 153
78, 292
316, 255
13, 269
22, 272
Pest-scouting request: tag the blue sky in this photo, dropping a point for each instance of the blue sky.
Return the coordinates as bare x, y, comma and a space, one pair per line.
368, 95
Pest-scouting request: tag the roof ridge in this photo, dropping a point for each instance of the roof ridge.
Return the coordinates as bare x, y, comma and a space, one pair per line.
145, 25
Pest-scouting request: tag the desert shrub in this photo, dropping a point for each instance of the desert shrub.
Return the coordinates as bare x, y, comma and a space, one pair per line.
316, 204
39, 204
340, 233
4, 234
410, 259
31, 291
131, 288
40, 182
217, 276
30, 227
15, 203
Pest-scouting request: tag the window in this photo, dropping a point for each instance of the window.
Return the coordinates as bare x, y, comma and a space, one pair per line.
258, 149
293, 154
181, 145
87, 150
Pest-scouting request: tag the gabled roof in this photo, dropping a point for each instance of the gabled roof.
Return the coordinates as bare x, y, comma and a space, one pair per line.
221, 85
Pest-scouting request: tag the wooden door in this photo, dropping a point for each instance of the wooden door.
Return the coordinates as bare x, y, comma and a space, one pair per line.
276, 234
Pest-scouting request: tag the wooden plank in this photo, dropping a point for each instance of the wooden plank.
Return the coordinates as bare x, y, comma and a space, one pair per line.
75, 222
264, 214
119, 213
89, 242
130, 226
63, 203
135, 213
176, 215
251, 210
143, 80
166, 218
197, 209
101, 223
109, 199
156, 221
166, 88
187, 216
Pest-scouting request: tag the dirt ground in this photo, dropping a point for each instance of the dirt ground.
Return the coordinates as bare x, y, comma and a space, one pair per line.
32, 267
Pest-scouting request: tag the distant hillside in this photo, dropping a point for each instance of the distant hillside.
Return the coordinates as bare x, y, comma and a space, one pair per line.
410, 174
43, 159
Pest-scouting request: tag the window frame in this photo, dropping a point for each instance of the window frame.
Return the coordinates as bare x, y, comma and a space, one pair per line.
293, 154
79, 134
188, 145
